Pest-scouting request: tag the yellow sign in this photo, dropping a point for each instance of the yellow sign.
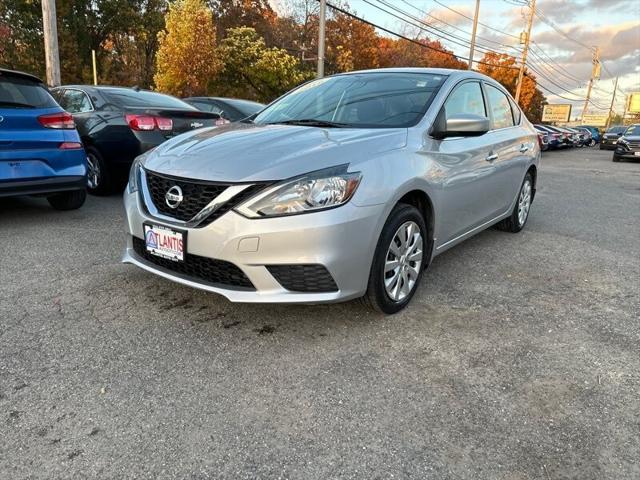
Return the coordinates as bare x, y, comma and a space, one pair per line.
556, 113
634, 103
595, 120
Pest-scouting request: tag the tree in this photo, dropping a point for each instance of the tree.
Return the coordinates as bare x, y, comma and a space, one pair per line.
256, 14
187, 58
424, 53
351, 44
503, 68
251, 70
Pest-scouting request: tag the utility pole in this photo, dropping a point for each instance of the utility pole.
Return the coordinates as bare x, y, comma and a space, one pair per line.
473, 34
52, 57
525, 50
321, 29
613, 99
95, 69
595, 74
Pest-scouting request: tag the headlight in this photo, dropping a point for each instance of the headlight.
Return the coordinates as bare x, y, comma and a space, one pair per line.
134, 173
308, 193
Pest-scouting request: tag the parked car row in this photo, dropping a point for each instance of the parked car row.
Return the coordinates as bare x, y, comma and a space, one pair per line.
72, 139
554, 137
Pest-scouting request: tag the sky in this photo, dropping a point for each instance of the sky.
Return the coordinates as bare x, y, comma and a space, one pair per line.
562, 54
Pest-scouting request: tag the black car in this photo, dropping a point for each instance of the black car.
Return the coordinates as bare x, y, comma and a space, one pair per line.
611, 136
628, 146
231, 109
117, 124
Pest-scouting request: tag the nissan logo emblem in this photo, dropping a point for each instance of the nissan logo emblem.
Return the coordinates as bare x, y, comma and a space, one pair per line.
173, 198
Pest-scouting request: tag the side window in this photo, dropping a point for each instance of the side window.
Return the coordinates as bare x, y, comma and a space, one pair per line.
517, 113
466, 98
57, 95
216, 109
76, 101
500, 108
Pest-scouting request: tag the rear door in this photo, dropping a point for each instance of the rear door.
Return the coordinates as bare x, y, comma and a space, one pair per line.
513, 146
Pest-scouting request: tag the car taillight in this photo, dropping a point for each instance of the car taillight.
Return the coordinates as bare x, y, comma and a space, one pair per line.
140, 122
148, 122
164, 123
61, 120
70, 146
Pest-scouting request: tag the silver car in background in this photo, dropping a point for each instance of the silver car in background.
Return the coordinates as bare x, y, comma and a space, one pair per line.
346, 187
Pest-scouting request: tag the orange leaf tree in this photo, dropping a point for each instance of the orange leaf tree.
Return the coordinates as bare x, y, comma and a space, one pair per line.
187, 58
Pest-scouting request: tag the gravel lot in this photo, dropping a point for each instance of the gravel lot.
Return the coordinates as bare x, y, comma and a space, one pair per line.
518, 358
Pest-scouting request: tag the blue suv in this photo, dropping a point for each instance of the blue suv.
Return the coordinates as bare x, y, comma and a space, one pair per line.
40, 149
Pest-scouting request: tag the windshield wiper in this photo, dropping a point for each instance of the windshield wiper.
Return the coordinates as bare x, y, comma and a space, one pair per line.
312, 122
15, 104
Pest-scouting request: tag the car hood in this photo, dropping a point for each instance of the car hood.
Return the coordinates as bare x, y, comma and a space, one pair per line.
247, 152
631, 138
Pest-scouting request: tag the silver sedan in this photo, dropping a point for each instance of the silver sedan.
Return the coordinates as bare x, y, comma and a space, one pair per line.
346, 187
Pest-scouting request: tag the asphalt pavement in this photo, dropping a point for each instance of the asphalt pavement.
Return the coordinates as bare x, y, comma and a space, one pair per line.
519, 357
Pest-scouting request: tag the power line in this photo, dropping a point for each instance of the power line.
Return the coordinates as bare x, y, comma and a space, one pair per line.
479, 23
484, 39
404, 37
429, 47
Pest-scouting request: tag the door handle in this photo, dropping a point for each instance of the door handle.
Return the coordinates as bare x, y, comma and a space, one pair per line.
492, 157
524, 148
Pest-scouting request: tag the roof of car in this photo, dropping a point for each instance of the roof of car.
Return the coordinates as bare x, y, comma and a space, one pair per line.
17, 74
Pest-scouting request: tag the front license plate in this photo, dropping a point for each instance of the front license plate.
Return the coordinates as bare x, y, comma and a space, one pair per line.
165, 242
637, 154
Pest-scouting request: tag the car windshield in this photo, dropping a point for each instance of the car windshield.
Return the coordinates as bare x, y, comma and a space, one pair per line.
633, 131
367, 100
616, 130
17, 92
124, 97
245, 107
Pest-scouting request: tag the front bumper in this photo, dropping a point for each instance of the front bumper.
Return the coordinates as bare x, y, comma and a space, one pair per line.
342, 240
607, 144
627, 154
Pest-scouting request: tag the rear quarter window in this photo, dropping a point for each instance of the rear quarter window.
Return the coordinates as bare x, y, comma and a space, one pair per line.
16, 92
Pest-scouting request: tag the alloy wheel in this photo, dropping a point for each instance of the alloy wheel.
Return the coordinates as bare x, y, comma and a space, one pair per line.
403, 261
524, 202
93, 171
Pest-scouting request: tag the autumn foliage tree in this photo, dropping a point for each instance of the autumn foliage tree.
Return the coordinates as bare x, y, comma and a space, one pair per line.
187, 58
504, 69
253, 70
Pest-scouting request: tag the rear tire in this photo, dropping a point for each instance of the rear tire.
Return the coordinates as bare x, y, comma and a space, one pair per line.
520, 214
398, 262
68, 200
99, 181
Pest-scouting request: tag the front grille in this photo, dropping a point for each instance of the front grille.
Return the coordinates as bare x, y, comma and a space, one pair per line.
634, 145
303, 278
209, 270
197, 195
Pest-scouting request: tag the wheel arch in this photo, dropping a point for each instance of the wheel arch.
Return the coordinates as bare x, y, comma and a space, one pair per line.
421, 200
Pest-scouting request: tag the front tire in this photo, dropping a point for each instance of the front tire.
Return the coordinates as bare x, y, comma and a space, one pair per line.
68, 200
398, 261
518, 218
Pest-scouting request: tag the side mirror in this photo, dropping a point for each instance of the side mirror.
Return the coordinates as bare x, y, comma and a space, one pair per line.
459, 125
